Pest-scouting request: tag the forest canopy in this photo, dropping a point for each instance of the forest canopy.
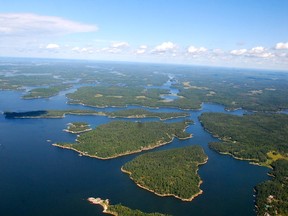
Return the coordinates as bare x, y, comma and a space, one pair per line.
170, 172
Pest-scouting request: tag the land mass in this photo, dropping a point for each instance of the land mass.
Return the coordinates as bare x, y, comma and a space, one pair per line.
249, 137
272, 195
170, 172
119, 210
261, 139
120, 138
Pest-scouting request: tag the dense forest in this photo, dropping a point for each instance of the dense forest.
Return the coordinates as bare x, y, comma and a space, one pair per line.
170, 172
272, 195
122, 137
251, 137
261, 91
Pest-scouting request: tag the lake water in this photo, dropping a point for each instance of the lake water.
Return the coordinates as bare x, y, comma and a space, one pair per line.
37, 178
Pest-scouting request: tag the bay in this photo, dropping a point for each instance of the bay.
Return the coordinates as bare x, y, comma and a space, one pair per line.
37, 178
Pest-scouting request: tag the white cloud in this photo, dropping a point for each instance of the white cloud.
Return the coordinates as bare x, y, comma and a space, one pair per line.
266, 55
238, 52
116, 47
257, 50
83, 50
119, 45
192, 49
281, 45
142, 49
164, 47
27, 24
52, 46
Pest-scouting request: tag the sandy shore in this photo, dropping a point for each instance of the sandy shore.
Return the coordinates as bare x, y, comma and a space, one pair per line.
103, 203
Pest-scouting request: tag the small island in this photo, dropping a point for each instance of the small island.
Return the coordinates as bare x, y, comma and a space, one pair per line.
119, 210
78, 127
120, 138
170, 172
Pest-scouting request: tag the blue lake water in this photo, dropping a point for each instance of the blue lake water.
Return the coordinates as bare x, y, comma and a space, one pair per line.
37, 178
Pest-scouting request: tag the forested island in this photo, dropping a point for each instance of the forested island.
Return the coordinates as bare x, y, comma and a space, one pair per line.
131, 113
78, 127
170, 172
262, 139
119, 210
119, 138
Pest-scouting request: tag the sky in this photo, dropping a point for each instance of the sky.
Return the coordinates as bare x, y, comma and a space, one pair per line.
229, 33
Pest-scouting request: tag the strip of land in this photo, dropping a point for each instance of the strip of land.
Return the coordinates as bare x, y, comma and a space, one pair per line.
130, 113
120, 138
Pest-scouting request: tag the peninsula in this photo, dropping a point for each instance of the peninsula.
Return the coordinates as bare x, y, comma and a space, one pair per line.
169, 173
120, 138
259, 138
78, 127
119, 210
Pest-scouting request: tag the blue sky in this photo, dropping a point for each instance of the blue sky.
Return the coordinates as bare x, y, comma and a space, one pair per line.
233, 33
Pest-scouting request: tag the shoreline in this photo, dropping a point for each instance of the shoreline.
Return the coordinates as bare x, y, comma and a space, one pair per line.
169, 195
244, 159
103, 203
77, 132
